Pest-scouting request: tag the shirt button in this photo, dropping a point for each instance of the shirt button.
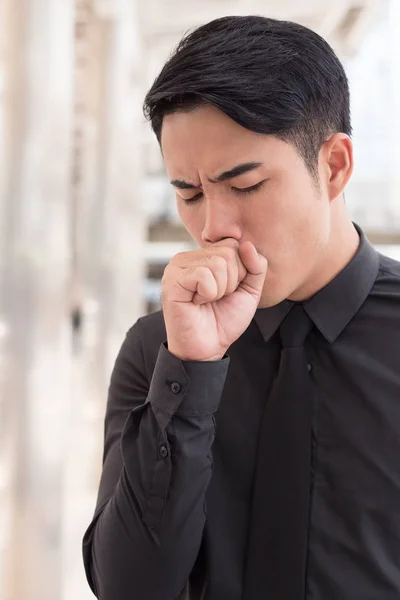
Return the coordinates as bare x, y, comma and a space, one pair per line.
309, 366
175, 387
163, 451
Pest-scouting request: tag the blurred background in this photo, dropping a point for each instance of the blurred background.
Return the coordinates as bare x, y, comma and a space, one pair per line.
88, 223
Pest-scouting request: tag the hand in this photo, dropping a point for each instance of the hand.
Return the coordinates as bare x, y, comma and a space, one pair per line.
209, 297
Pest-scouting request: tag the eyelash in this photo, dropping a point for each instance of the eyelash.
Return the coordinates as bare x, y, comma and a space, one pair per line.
244, 191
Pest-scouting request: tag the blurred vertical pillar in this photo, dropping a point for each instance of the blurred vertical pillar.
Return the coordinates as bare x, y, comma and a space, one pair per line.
394, 28
37, 67
124, 221
108, 211
108, 232
6, 442
109, 222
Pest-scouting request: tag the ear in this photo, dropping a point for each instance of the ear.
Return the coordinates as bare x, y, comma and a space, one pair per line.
336, 161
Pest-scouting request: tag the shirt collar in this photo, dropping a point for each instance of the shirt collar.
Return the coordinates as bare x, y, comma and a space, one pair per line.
333, 307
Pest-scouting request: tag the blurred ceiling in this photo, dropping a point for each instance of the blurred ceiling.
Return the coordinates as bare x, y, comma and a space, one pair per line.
162, 22
341, 22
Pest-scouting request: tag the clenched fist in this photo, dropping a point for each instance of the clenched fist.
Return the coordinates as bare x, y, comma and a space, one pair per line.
209, 297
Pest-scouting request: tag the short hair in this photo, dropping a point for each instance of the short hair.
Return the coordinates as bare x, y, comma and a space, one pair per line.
270, 76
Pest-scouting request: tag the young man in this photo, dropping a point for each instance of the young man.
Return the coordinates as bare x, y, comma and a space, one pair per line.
252, 435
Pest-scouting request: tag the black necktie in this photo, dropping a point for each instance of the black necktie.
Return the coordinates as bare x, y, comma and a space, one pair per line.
277, 549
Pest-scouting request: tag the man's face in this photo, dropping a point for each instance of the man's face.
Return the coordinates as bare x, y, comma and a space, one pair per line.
273, 200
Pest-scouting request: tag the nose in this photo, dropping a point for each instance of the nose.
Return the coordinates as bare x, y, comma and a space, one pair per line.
221, 220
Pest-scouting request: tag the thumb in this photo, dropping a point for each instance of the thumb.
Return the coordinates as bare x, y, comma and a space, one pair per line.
256, 266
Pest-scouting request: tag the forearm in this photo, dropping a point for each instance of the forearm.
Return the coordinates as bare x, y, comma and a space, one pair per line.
144, 541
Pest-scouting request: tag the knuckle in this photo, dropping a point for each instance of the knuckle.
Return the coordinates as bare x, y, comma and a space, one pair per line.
164, 289
219, 263
230, 254
168, 273
188, 270
202, 271
179, 257
206, 258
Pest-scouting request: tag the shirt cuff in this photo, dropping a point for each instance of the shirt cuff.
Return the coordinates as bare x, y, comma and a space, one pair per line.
186, 388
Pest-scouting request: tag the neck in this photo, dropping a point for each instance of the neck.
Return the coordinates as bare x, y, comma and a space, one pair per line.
341, 248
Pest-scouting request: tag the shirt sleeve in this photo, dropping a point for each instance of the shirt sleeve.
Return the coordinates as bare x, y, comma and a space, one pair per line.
147, 528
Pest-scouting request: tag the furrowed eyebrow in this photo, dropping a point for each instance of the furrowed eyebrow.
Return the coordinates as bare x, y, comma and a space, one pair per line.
234, 172
183, 185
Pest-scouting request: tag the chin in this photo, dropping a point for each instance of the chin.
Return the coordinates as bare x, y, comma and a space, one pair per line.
270, 299
273, 293
266, 303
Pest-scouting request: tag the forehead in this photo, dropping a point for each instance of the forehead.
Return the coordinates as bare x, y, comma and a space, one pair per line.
206, 140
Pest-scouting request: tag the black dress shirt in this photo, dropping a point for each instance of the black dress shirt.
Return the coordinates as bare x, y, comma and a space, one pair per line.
173, 511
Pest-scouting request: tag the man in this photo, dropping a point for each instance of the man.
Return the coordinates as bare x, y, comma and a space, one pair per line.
252, 435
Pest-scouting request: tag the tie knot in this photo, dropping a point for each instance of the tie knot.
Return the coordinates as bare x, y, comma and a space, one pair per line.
295, 327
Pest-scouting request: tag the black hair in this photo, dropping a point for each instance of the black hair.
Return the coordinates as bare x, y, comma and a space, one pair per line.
271, 77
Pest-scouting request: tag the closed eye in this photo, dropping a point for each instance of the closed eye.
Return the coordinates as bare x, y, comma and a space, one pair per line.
193, 200
247, 190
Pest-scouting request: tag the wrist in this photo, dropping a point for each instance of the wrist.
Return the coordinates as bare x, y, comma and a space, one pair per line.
190, 357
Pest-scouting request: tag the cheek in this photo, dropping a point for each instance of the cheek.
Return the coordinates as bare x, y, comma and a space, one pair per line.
272, 214
286, 224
